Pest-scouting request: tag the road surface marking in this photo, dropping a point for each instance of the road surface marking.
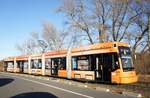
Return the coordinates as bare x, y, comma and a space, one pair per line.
69, 91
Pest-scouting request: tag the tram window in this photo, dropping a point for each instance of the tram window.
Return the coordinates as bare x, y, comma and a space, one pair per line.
59, 63
124, 51
92, 60
47, 63
62, 64
39, 63
125, 54
54, 62
25, 64
81, 63
36, 63
19, 64
115, 63
74, 63
32, 64
10, 64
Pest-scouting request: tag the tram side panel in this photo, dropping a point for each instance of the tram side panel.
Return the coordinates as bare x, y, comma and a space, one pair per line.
82, 68
10, 66
48, 66
36, 66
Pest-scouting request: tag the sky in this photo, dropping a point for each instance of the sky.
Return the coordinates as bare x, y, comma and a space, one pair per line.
18, 18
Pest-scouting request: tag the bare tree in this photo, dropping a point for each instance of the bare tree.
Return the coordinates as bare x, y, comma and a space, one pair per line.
120, 19
30, 45
48, 39
53, 38
114, 20
27, 47
140, 11
107, 17
100, 16
77, 18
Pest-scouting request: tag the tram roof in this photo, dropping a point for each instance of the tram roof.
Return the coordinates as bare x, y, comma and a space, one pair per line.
36, 56
22, 57
9, 58
56, 53
104, 45
63, 52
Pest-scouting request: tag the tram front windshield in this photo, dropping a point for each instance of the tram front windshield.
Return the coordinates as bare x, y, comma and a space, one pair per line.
125, 54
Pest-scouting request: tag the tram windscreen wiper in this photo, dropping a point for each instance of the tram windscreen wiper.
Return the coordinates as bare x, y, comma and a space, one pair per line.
128, 68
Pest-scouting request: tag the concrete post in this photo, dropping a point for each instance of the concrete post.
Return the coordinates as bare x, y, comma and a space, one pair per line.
15, 65
149, 31
69, 63
43, 64
29, 65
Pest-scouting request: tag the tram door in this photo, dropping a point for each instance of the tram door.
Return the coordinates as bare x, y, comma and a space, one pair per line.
54, 67
103, 67
99, 68
21, 66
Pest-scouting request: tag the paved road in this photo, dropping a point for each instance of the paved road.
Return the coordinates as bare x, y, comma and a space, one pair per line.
13, 86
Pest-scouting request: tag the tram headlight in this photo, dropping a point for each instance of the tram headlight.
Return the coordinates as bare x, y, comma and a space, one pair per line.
113, 74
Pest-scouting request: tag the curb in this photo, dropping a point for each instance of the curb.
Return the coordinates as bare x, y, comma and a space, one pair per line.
131, 94
137, 95
102, 89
